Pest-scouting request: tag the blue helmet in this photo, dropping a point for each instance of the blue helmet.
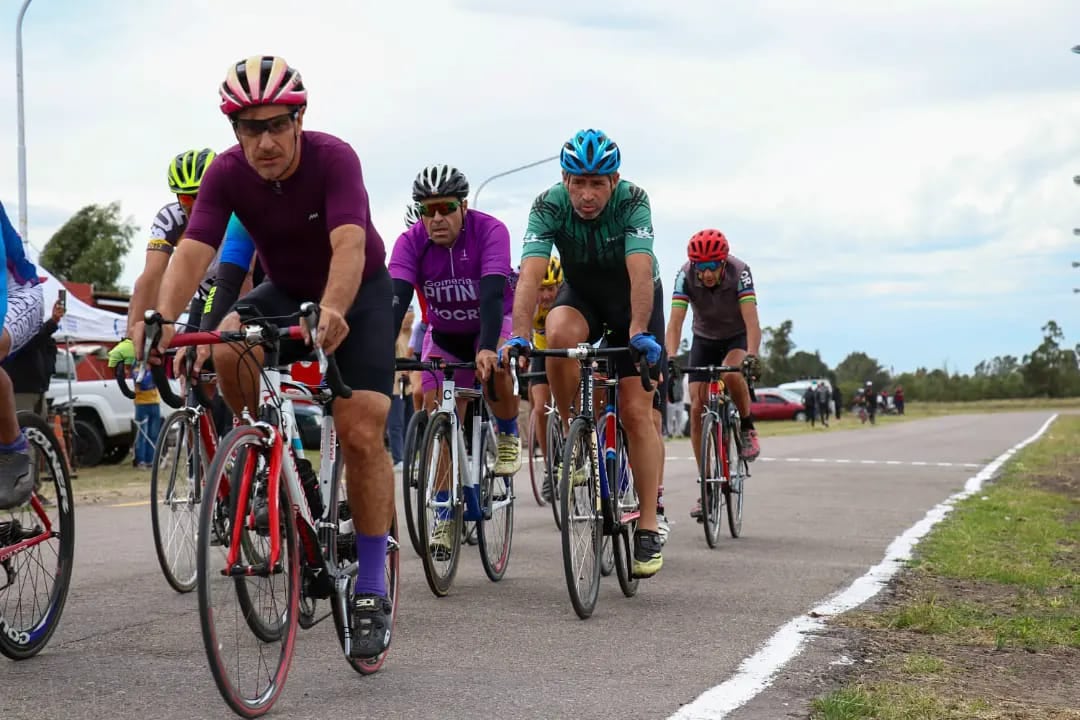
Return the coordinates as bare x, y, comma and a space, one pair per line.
590, 152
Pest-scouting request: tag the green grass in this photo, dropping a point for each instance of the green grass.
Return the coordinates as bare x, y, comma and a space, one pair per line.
1002, 570
893, 701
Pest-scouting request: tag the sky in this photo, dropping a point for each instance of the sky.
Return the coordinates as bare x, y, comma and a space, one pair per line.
898, 176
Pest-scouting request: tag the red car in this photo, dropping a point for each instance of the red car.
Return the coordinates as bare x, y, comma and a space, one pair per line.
776, 404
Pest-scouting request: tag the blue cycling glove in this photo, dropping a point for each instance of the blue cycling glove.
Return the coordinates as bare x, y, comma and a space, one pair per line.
646, 344
522, 345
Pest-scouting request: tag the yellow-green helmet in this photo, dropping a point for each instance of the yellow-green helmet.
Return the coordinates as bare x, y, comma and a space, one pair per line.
187, 169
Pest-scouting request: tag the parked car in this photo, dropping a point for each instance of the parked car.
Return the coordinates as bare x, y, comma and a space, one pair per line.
309, 423
777, 404
104, 418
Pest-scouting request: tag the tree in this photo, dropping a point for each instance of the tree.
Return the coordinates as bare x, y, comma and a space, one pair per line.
858, 367
90, 247
1050, 371
808, 365
778, 347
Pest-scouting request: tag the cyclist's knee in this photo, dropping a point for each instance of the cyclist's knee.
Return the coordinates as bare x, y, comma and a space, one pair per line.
566, 327
230, 322
363, 422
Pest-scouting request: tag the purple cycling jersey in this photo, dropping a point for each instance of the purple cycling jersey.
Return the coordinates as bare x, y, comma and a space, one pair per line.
290, 220
449, 277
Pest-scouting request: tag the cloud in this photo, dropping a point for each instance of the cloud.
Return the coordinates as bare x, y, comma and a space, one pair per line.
871, 161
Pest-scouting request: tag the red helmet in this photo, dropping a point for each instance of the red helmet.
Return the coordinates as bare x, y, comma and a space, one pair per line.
708, 245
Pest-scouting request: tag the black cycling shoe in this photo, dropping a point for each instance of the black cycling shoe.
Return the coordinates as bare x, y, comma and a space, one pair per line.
370, 621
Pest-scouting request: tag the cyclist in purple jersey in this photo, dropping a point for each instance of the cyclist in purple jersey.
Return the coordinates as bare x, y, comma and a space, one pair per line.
301, 196
459, 259
727, 331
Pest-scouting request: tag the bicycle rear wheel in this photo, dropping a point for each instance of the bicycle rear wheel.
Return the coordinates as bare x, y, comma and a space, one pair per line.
625, 511
582, 526
443, 524
410, 472
34, 581
179, 468
734, 488
536, 474
249, 622
710, 477
495, 530
552, 460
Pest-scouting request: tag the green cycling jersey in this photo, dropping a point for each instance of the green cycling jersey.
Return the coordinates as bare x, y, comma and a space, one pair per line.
593, 252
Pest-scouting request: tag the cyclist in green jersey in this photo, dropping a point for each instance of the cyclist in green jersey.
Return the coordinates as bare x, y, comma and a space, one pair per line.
602, 227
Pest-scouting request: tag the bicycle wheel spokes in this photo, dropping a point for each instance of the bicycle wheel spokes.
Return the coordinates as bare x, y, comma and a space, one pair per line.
177, 472
734, 488
582, 527
248, 622
440, 523
552, 461
626, 512
34, 581
496, 531
710, 479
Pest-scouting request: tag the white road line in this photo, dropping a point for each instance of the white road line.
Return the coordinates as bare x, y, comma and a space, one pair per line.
847, 461
756, 672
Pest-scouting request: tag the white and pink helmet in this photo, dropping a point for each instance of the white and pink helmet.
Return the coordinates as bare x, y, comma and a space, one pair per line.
261, 80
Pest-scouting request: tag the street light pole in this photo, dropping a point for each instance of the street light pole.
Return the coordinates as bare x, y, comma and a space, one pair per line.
22, 122
476, 195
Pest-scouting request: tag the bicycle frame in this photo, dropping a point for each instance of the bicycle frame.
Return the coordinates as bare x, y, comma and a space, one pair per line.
9, 551
464, 470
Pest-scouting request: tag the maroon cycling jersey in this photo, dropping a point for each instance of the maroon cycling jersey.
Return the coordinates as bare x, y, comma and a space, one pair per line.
717, 311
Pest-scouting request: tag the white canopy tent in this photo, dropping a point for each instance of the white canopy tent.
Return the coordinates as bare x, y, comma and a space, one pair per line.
82, 321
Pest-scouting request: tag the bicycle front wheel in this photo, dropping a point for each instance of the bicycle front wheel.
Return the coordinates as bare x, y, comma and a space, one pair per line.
249, 619
625, 511
175, 480
582, 525
440, 523
495, 530
34, 581
536, 474
711, 475
552, 461
735, 487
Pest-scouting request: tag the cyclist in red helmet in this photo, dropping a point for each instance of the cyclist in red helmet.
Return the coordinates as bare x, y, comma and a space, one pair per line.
727, 331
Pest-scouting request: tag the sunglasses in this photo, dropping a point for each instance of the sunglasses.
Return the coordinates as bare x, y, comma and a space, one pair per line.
255, 128
444, 208
709, 266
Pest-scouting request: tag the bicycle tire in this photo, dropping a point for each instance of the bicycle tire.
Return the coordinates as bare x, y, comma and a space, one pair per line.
439, 580
734, 488
580, 439
210, 577
710, 472
536, 476
410, 471
555, 444
21, 641
181, 578
625, 498
494, 545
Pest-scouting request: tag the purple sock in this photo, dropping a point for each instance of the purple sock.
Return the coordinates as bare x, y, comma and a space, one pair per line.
371, 560
20, 445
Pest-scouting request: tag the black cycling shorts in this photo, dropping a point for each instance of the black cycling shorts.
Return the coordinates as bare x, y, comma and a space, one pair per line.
366, 356
538, 365
712, 352
611, 322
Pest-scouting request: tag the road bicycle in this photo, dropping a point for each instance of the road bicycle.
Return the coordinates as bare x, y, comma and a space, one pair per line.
282, 538
457, 482
722, 472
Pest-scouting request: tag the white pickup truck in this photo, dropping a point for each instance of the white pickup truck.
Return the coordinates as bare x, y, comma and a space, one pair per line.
104, 418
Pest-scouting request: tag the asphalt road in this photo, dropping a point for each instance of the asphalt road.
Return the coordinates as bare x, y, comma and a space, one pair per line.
821, 509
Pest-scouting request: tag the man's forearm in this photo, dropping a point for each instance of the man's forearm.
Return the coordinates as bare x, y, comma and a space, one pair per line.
524, 307
144, 293
186, 269
671, 342
753, 339
641, 300
346, 269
